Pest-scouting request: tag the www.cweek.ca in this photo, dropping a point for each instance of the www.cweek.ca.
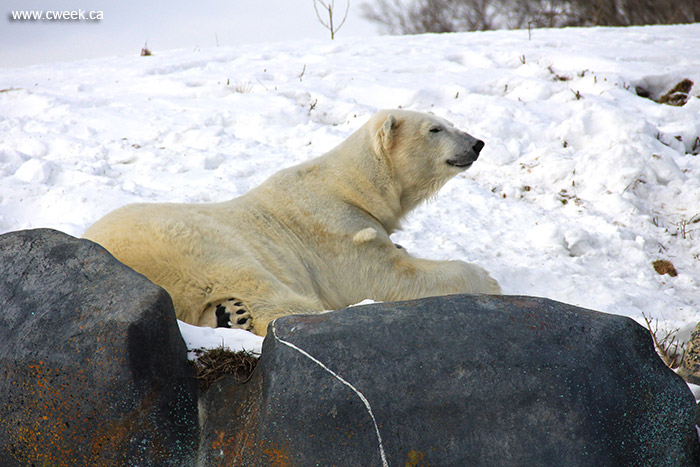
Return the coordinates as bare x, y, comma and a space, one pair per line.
51, 15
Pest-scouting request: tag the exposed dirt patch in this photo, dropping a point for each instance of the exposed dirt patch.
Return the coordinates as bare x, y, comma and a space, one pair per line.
679, 95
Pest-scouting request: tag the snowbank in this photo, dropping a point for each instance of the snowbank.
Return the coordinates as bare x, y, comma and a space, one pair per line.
581, 186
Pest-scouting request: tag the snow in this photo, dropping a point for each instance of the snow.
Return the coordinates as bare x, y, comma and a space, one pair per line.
581, 186
209, 338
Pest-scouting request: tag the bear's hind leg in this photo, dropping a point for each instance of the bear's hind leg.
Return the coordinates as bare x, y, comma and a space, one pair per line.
259, 298
227, 313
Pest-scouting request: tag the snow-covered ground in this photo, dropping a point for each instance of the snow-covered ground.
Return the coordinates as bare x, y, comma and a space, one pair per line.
581, 186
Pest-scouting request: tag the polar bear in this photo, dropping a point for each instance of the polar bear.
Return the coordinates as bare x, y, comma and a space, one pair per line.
312, 237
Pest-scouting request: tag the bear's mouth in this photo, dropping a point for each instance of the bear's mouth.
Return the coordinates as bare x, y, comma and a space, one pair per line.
460, 164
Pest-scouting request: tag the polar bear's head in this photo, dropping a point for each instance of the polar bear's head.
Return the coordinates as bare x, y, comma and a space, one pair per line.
423, 151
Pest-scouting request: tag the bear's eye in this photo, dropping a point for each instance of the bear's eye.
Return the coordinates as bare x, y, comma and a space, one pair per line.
435, 129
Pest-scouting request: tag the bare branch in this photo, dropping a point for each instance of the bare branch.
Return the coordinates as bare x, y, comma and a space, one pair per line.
329, 6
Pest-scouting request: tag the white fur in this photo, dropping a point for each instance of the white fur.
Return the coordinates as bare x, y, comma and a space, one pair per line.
365, 235
312, 237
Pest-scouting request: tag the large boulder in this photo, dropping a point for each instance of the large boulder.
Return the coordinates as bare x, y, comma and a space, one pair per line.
454, 381
690, 365
94, 370
95, 373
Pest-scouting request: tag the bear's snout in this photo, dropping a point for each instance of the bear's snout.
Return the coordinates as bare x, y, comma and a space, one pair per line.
466, 158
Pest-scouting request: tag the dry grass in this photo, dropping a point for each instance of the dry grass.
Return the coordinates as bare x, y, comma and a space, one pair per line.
213, 365
669, 349
243, 87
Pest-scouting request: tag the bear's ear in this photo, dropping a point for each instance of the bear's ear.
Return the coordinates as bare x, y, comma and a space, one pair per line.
385, 135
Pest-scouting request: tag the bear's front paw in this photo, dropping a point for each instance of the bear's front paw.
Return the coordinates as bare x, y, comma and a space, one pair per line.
492, 286
232, 313
485, 284
477, 280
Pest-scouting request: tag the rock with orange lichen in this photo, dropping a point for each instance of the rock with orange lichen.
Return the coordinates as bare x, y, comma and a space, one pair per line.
94, 370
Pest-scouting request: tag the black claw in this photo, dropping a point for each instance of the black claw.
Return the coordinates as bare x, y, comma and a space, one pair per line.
242, 320
241, 311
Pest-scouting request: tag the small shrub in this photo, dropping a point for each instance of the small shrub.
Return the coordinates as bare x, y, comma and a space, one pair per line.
328, 6
144, 50
669, 349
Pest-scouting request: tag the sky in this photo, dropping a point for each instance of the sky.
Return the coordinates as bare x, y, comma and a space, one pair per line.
127, 25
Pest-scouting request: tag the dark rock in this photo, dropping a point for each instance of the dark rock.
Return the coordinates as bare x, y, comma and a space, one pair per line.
94, 369
95, 373
455, 381
690, 365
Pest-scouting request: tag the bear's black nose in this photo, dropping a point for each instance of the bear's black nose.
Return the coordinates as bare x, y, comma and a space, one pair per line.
478, 147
